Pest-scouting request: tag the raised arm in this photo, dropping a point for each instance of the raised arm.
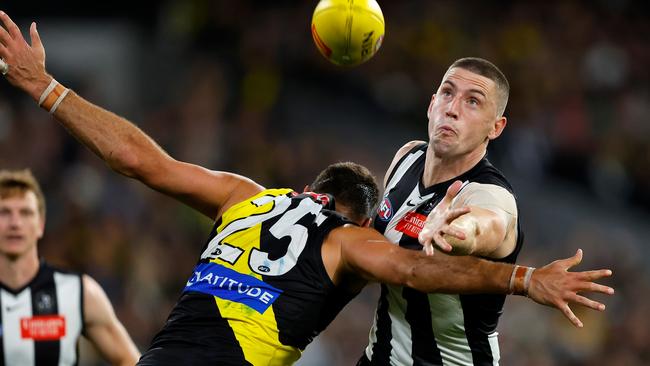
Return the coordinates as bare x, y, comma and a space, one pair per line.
103, 329
480, 219
367, 254
121, 144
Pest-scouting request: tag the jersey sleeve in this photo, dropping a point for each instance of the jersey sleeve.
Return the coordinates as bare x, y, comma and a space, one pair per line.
490, 197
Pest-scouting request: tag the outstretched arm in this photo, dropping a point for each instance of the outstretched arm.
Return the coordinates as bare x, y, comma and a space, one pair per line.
121, 144
103, 329
369, 255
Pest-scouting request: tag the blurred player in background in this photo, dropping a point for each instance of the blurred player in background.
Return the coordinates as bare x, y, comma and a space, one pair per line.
411, 327
279, 265
45, 310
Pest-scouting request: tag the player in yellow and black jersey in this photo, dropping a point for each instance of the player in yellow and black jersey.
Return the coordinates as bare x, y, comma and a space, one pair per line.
279, 265
260, 291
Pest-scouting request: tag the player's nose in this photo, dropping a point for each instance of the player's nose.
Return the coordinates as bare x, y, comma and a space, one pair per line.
451, 110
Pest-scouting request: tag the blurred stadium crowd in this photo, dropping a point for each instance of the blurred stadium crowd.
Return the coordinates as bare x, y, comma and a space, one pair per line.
238, 85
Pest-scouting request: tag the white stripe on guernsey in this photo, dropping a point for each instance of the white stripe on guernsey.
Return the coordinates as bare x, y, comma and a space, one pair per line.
17, 351
400, 343
68, 295
403, 167
449, 329
372, 335
493, 339
400, 336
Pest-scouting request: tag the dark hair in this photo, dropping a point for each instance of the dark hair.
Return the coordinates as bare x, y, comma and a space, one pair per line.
352, 185
490, 71
19, 182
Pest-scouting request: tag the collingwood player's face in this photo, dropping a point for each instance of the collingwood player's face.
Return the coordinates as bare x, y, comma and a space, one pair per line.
21, 225
463, 113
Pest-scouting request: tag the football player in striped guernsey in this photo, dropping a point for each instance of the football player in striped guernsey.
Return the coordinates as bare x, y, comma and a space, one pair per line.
414, 328
45, 310
278, 265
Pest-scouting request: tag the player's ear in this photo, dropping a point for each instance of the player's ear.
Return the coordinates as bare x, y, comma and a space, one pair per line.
498, 127
306, 189
433, 97
367, 222
41, 228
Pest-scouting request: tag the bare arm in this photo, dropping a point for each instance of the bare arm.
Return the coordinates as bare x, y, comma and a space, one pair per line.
371, 256
366, 254
121, 144
103, 329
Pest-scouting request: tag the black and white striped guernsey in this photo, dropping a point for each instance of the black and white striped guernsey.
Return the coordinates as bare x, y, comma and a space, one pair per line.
414, 328
40, 324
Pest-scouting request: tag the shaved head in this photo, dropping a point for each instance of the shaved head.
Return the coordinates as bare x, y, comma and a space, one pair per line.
489, 70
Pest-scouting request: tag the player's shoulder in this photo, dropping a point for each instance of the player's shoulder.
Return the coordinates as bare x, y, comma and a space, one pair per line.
408, 147
401, 154
471, 187
47, 267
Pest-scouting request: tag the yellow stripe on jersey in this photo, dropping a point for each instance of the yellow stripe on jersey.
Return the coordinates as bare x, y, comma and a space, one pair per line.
256, 333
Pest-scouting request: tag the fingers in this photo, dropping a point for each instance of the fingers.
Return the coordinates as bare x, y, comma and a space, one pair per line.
588, 302
428, 249
451, 231
5, 38
453, 189
425, 236
442, 243
595, 287
35, 37
12, 28
573, 261
428, 239
594, 275
566, 310
457, 212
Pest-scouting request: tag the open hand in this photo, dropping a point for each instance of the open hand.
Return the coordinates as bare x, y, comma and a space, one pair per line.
438, 222
26, 62
555, 286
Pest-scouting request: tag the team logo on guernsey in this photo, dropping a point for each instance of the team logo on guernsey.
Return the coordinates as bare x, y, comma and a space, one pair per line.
217, 280
385, 210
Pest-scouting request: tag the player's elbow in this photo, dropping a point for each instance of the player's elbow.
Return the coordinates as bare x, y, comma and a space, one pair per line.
123, 161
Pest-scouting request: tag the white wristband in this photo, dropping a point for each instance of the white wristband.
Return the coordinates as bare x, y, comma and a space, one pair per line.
52, 96
58, 101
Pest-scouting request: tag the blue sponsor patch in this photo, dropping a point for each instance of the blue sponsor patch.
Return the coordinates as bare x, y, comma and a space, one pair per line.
225, 283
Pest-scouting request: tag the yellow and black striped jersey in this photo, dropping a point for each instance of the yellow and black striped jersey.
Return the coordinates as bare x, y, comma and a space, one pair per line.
260, 291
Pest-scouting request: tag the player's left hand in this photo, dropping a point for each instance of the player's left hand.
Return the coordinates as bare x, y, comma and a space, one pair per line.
26, 63
438, 223
555, 286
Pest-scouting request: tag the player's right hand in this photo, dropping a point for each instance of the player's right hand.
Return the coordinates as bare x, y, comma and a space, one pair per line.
555, 286
438, 223
26, 62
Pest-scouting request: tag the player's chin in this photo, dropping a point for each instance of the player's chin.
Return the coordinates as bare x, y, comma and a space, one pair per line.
444, 145
12, 247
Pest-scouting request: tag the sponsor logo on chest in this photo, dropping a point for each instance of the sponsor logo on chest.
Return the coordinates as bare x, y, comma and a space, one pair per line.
43, 327
411, 224
225, 283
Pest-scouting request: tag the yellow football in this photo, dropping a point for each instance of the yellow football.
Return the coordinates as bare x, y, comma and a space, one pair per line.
348, 32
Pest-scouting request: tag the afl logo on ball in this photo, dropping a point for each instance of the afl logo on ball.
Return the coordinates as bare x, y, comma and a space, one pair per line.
385, 210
